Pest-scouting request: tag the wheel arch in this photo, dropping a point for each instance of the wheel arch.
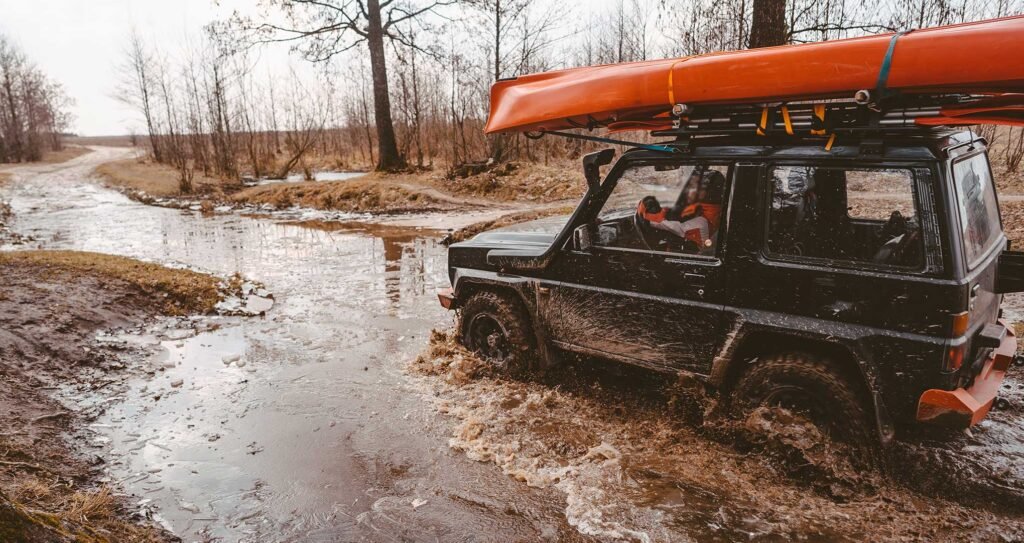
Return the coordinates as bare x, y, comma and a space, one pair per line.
521, 289
751, 345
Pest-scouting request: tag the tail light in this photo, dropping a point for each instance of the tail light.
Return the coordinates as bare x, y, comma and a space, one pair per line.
958, 324
955, 357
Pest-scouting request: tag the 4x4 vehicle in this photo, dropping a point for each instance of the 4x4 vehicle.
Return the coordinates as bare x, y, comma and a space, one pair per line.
860, 284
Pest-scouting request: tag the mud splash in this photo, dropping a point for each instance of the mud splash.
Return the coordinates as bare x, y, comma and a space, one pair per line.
630, 468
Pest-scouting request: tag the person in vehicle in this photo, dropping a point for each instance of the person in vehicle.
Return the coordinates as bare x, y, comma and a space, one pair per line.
696, 215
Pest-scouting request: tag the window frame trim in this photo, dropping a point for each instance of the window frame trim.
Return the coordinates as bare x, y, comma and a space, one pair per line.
731, 164
839, 264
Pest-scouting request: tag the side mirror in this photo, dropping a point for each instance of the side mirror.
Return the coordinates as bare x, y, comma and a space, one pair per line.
581, 238
592, 166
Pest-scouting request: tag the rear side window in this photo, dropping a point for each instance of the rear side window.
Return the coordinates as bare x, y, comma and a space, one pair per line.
860, 215
979, 212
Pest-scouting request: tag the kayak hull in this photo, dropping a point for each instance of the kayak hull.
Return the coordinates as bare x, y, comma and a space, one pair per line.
972, 58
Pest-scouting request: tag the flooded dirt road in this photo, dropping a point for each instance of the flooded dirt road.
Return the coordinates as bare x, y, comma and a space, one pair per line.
299, 426
305, 425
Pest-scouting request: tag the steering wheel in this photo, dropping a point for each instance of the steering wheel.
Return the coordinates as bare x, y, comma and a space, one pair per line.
642, 229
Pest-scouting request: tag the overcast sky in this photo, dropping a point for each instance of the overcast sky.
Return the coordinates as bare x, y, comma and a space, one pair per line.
80, 42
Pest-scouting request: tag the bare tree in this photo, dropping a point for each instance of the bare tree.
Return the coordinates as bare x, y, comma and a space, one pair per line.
34, 111
325, 28
136, 85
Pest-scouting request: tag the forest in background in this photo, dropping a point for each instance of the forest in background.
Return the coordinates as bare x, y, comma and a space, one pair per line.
34, 110
403, 85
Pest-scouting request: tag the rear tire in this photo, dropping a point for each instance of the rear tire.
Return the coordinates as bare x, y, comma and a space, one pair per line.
811, 386
496, 327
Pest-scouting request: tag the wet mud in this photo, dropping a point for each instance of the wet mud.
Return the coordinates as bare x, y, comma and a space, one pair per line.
638, 459
310, 424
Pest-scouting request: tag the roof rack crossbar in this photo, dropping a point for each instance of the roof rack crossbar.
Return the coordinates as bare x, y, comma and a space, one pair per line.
821, 118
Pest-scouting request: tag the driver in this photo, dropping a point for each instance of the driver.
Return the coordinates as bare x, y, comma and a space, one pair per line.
696, 215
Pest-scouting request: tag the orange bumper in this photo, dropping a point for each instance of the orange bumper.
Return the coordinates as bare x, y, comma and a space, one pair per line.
965, 407
447, 298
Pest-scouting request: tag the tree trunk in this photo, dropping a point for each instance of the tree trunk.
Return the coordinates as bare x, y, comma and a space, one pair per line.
768, 24
387, 146
499, 142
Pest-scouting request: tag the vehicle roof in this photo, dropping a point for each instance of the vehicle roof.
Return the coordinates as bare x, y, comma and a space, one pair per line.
916, 145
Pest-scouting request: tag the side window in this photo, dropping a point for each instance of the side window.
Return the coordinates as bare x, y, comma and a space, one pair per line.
979, 212
675, 208
854, 215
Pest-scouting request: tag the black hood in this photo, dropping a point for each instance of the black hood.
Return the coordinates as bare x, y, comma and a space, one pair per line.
538, 233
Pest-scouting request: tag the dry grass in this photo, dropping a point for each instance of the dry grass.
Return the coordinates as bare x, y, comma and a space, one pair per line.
4, 177
519, 182
183, 291
1013, 222
156, 179
90, 506
67, 153
32, 491
358, 195
106, 141
388, 193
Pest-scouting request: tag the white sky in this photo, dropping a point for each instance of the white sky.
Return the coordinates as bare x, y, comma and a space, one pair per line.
80, 42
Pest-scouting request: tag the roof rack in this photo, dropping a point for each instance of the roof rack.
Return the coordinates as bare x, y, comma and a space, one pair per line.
823, 118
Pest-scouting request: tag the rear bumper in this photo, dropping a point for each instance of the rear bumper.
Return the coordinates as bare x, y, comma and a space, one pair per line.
965, 407
447, 298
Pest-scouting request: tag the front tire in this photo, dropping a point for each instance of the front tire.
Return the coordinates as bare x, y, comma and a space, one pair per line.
496, 327
813, 387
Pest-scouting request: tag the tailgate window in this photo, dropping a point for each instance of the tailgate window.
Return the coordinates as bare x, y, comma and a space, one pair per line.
979, 212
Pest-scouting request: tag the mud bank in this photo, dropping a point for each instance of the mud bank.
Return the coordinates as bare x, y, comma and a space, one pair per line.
52, 304
508, 195
646, 466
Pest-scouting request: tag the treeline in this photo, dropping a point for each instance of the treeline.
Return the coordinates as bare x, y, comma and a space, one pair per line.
405, 84
34, 111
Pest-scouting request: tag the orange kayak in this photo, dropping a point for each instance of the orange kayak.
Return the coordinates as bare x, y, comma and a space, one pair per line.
985, 57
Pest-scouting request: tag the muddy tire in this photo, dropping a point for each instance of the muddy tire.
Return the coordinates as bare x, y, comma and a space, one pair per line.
497, 328
812, 386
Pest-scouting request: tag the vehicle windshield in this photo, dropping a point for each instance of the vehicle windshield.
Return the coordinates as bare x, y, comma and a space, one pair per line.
979, 212
665, 184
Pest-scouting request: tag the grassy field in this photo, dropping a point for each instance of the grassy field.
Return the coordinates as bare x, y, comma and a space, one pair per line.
156, 179
183, 291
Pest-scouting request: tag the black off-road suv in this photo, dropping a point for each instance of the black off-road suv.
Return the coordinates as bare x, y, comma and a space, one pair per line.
861, 284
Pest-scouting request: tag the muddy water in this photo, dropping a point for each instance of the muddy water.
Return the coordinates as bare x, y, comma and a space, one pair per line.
304, 425
298, 426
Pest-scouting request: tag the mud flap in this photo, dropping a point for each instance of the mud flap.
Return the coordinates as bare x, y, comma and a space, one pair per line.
886, 431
